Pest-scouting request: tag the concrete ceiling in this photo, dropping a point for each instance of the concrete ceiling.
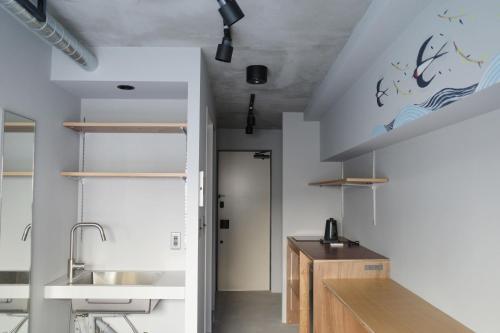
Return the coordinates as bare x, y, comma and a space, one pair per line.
297, 39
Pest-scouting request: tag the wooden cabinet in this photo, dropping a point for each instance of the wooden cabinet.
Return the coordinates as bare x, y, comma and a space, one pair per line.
292, 287
309, 263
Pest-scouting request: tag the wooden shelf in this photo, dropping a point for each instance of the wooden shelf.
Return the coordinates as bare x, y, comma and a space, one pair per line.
93, 127
350, 181
19, 127
125, 174
17, 174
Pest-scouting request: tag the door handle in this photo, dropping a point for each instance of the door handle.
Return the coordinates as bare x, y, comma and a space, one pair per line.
222, 242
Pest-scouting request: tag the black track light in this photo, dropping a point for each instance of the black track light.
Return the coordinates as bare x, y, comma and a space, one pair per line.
251, 116
225, 49
230, 11
257, 74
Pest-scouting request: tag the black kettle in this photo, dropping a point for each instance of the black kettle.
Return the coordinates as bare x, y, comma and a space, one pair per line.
331, 232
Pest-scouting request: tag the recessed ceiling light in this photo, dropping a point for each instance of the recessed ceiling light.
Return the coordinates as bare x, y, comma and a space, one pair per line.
125, 87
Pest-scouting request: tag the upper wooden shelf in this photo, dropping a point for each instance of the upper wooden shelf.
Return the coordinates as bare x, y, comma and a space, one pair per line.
350, 181
19, 127
125, 174
17, 174
92, 127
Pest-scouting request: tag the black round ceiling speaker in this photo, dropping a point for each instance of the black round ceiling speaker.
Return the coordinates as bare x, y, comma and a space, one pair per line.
257, 74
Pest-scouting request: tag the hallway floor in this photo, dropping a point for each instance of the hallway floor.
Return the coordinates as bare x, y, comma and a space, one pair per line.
250, 312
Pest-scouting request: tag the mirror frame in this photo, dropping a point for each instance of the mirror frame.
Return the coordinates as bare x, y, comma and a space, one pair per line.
3, 122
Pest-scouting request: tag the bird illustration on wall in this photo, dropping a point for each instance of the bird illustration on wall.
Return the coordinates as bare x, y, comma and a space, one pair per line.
424, 64
380, 93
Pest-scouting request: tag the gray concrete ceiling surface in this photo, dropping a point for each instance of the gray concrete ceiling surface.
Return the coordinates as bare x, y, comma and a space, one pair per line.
297, 39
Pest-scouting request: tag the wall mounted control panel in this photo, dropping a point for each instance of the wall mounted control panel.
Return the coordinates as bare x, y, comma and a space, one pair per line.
175, 241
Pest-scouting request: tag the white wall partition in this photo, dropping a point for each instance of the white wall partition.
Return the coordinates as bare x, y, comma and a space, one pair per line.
25, 88
305, 208
165, 73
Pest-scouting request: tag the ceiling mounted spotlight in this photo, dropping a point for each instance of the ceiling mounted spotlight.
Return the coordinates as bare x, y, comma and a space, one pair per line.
230, 11
251, 116
257, 74
225, 49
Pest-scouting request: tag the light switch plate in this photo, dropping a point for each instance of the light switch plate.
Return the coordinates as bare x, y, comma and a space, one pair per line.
175, 241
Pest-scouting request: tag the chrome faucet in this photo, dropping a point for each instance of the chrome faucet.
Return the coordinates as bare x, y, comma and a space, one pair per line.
26, 232
72, 265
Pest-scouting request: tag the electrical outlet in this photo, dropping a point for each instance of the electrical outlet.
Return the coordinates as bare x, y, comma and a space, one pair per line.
175, 241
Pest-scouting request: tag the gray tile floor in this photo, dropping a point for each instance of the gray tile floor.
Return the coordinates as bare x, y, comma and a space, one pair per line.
249, 312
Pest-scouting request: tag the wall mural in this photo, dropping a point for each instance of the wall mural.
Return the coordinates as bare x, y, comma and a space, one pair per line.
424, 64
380, 93
436, 56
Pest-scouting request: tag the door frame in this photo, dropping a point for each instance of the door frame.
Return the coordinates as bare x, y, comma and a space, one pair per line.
216, 210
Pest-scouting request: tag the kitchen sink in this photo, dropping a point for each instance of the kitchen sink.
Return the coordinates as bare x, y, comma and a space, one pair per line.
14, 291
117, 278
118, 291
14, 277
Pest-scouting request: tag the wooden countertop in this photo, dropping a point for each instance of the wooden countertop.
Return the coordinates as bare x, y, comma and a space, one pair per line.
314, 250
382, 305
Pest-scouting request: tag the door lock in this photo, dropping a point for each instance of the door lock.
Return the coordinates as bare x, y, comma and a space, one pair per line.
224, 224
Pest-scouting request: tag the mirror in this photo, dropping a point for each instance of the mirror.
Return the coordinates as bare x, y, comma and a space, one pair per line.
16, 201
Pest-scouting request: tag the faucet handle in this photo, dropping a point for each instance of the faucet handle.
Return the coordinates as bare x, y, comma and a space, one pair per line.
78, 266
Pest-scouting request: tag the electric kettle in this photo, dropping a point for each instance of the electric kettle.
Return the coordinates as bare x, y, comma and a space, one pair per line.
331, 232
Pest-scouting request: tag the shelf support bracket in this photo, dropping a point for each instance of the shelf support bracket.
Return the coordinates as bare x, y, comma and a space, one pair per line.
374, 190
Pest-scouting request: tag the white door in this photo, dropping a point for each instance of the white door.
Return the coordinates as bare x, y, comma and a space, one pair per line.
244, 218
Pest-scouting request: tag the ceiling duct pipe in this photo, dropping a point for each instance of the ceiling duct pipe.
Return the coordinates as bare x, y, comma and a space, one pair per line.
54, 34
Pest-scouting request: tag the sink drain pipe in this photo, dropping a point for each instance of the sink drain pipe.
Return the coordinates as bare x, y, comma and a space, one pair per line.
53, 33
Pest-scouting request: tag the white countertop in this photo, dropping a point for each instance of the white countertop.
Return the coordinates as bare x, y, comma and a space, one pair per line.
171, 285
14, 291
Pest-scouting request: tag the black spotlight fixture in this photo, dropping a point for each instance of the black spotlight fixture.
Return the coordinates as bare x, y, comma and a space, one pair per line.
250, 116
257, 74
225, 49
230, 11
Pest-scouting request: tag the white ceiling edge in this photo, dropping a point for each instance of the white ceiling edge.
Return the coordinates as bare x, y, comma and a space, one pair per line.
109, 90
382, 23
480, 103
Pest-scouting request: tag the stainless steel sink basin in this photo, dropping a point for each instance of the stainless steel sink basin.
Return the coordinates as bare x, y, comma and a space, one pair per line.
117, 278
14, 277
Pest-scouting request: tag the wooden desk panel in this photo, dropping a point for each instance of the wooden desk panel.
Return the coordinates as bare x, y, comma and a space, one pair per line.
382, 306
340, 270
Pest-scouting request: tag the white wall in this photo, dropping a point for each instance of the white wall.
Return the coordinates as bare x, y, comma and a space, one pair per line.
25, 88
138, 215
305, 208
236, 139
205, 116
158, 66
438, 218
